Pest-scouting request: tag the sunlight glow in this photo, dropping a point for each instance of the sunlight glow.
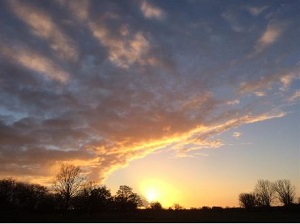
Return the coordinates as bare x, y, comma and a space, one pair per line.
152, 194
158, 190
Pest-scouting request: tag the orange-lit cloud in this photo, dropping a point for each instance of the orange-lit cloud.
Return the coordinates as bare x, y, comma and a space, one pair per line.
42, 25
79, 8
150, 11
123, 51
269, 37
265, 83
36, 62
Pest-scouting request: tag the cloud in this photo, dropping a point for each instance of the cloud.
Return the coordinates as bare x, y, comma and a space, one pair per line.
43, 26
286, 80
123, 51
79, 8
151, 12
233, 102
269, 37
255, 11
127, 89
233, 21
265, 83
236, 134
295, 96
36, 62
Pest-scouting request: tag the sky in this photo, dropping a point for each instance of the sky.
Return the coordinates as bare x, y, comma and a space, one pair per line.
187, 102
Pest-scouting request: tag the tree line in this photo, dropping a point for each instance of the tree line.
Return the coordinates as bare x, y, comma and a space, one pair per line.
267, 193
69, 191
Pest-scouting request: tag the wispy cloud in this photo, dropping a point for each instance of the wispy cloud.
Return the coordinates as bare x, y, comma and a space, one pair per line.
259, 93
151, 12
268, 37
236, 134
43, 26
258, 86
257, 10
295, 96
123, 50
233, 21
233, 102
79, 8
286, 80
265, 83
36, 62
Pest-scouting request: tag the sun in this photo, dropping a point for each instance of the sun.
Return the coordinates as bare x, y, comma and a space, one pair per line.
158, 190
152, 194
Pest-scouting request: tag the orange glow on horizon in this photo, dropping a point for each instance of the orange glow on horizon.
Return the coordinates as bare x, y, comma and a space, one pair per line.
159, 190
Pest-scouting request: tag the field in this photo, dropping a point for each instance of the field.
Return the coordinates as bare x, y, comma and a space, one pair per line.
278, 214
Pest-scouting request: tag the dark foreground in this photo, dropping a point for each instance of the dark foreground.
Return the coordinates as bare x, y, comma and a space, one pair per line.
278, 214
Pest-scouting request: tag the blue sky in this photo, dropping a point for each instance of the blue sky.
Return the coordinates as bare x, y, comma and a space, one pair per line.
206, 92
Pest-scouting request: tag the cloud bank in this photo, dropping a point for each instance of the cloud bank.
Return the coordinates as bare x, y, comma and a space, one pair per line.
100, 83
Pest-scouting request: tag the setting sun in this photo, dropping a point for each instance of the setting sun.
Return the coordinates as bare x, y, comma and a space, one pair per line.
158, 190
152, 194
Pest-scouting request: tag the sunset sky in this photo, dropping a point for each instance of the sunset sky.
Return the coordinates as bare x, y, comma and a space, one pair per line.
187, 102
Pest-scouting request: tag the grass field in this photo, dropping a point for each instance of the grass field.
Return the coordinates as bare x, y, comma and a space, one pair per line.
220, 215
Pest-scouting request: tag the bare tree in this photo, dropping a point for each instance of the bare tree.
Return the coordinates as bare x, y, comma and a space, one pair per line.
67, 183
247, 200
264, 192
285, 191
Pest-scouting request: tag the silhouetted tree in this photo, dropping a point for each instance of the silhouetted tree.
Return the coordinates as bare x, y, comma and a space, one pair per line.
29, 196
145, 202
125, 199
7, 187
264, 193
177, 206
49, 202
93, 198
217, 208
101, 199
206, 208
285, 191
82, 200
247, 200
24, 196
155, 205
67, 183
